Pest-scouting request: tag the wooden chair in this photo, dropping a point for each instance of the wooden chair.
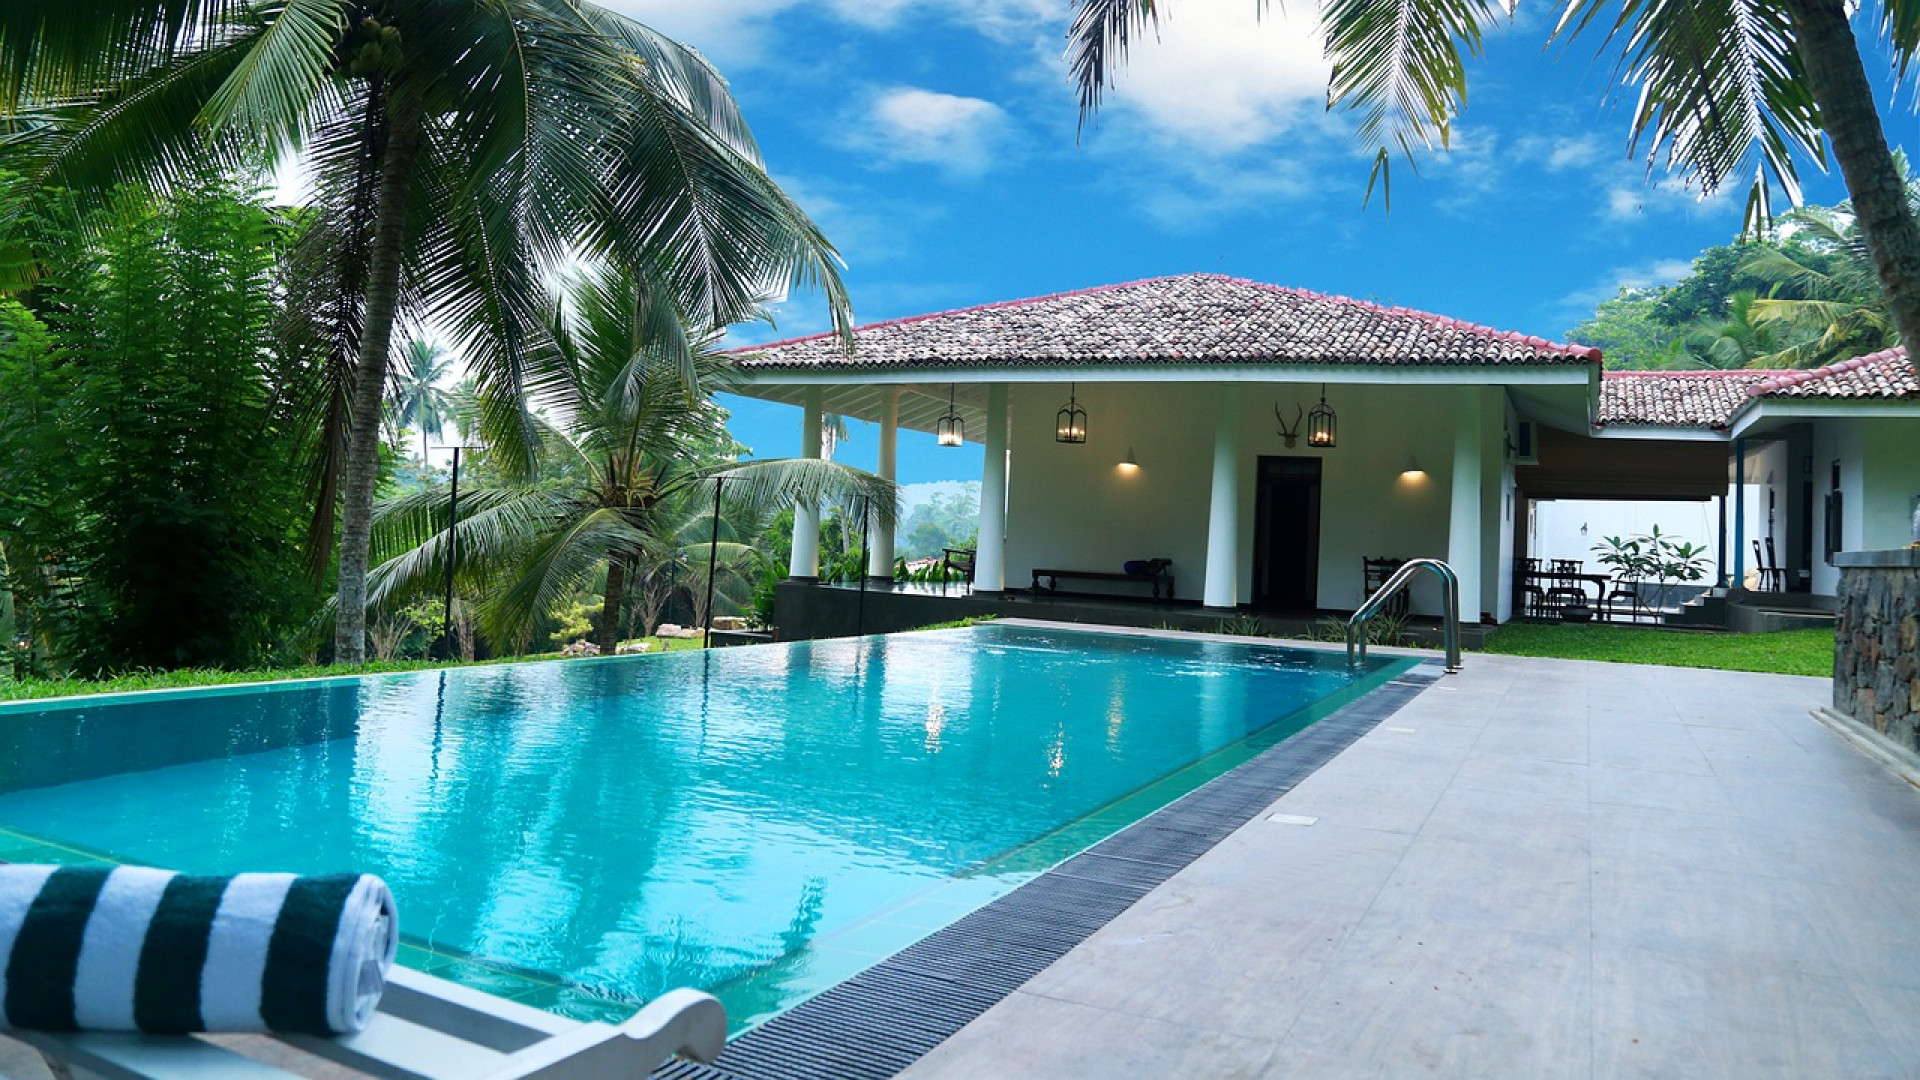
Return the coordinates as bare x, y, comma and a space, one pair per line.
952, 559
1621, 588
1564, 589
1770, 577
427, 1028
1373, 576
1533, 598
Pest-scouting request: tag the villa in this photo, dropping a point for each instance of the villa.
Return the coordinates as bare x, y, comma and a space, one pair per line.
1265, 438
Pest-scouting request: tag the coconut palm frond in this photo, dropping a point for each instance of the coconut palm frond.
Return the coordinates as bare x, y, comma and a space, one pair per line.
761, 487
1097, 44
556, 566
1718, 81
1400, 66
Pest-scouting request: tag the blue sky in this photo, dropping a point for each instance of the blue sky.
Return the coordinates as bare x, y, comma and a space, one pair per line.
936, 145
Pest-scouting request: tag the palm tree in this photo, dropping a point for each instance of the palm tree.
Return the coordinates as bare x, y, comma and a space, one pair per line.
1719, 80
461, 150
628, 428
418, 401
1837, 310
1740, 340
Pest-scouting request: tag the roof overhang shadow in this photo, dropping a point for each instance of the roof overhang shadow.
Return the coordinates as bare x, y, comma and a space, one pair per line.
1576, 467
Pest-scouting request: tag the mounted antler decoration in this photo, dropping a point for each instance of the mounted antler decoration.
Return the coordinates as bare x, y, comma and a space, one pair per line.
1290, 433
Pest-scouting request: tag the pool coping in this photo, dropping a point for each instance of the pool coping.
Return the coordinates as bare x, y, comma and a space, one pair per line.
879, 1022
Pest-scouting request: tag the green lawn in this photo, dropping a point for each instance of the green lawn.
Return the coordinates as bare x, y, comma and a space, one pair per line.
1791, 652
15, 690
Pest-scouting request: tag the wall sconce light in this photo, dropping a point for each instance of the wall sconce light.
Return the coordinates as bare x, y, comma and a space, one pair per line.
1321, 423
1129, 463
1412, 469
953, 431
1070, 423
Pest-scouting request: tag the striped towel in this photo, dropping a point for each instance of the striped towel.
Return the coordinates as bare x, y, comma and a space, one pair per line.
130, 948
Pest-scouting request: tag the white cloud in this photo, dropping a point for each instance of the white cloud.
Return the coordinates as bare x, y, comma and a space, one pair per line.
739, 32
1559, 154
731, 32
1627, 201
908, 125
1657, 272
1221, 77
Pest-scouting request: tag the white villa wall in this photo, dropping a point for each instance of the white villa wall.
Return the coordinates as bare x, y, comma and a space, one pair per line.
1072, 507
1879, 481
1841, 441
1504, 512
1891, 481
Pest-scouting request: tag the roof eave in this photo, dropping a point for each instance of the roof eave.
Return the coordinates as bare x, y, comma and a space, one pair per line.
1761, 411
1568, 372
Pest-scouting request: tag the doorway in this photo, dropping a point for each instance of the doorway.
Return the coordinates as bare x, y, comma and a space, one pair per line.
1286, 535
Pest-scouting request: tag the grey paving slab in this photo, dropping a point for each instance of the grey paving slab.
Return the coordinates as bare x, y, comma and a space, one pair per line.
1659, 1016
1041, 1038
1440, 999
1563, 869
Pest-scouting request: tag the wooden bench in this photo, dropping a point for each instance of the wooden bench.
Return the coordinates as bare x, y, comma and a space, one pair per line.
1156, 580
426, 1028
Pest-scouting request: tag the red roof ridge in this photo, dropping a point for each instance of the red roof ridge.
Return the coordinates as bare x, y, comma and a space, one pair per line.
1693, 373
1590, 353
1785, 379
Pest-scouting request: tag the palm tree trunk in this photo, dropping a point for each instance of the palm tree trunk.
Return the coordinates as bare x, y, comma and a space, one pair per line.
1838, 80
607, 635
370, 384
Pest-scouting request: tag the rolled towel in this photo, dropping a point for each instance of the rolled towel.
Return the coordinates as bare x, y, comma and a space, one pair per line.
129, 948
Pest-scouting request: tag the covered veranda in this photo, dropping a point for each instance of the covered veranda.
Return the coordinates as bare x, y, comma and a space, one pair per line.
1195, 393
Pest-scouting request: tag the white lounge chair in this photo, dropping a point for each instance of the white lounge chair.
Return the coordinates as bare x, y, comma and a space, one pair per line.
426, 1028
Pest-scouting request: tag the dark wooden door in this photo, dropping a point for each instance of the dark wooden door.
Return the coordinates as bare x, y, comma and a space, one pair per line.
1286, 535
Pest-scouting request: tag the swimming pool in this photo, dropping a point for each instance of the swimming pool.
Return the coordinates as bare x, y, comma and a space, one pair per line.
761, 822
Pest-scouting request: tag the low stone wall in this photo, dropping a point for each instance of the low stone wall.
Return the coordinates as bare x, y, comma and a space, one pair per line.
1875, 680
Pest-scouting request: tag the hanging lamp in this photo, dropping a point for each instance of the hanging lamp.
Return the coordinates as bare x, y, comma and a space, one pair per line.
1070, 423
953, 431
1322, 425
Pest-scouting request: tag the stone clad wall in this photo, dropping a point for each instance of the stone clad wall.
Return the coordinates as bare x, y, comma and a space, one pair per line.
1875, 680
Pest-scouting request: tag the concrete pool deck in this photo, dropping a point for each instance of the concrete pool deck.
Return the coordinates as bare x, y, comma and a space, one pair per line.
1537, 868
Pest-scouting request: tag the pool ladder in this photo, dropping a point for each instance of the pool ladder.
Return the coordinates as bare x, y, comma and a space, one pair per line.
1450, 624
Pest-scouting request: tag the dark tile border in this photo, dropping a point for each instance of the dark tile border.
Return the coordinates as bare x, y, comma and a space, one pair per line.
884, 1019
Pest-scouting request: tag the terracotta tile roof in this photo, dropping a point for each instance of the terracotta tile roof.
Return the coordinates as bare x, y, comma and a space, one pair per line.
1710, 399
1885, 374
1190, 319
1695, 399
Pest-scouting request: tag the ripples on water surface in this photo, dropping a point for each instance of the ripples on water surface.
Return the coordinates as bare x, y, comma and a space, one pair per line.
762, 821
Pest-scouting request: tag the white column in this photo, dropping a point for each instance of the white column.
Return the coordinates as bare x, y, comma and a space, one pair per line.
990, 560
805, 563
1463, 520
1223, 516
880, 549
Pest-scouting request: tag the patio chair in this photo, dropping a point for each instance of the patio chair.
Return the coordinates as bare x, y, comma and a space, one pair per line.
1622, 588
426, 1027
1373, 576
952, 559
1533, 598
1769, 577
1564, 589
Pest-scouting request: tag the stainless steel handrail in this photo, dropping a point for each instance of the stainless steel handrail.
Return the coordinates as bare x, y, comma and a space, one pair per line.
1449, 625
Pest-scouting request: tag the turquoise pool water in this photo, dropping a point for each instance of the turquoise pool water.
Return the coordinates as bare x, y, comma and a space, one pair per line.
762, 822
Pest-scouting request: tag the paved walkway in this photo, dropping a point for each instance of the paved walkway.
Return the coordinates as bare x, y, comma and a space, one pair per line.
1538, 868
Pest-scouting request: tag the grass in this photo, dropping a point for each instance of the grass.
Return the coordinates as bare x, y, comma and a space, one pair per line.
1790, 652
29, 689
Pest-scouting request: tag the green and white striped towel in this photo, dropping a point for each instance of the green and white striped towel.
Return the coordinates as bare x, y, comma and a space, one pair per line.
130, 948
